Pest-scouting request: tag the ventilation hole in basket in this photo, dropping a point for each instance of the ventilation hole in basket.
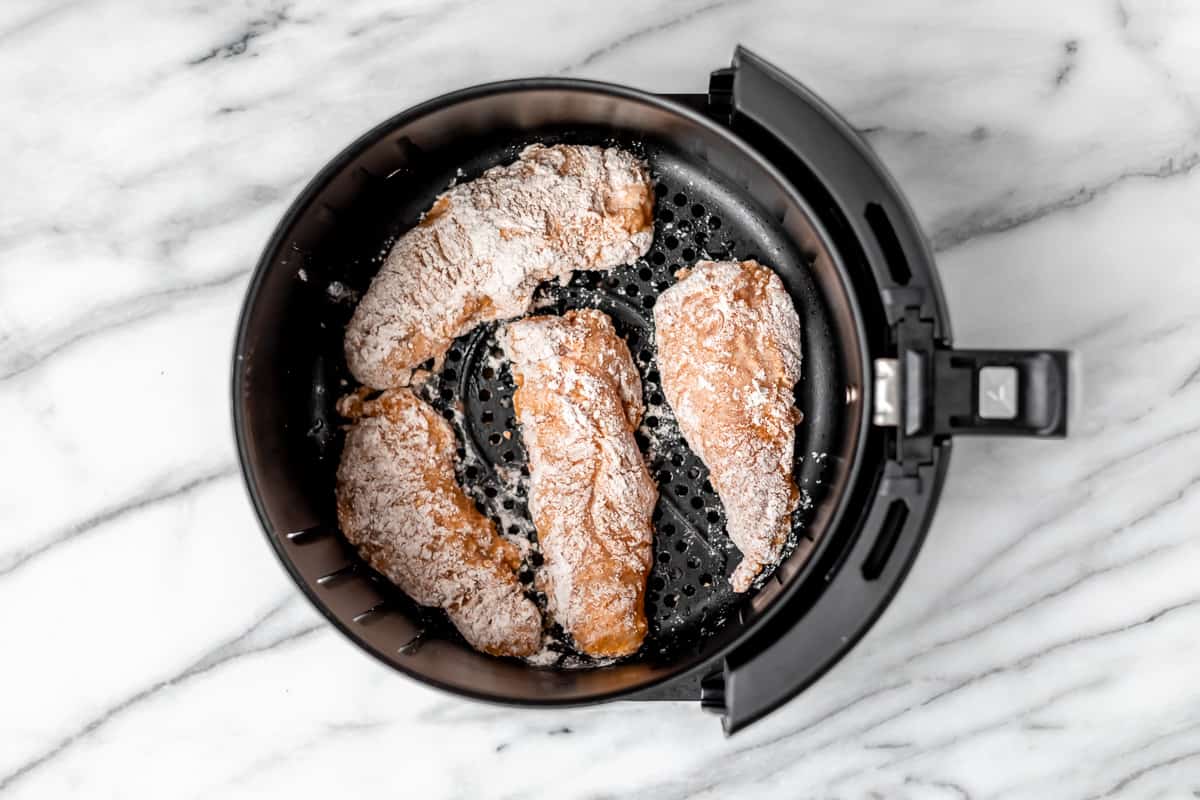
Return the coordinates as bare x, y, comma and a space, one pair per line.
536, 558
683, 226
708, 487
697, 503
494, 439
658, 258
664, 557
701, 239
677, 460
454, 355
486, 417
652, 376
651, 422
448, 413
460, 453
688, 589
697, 211
646, 355
681, 490
508, 504
447, 395
490, 491
681, 546
632, 290
680, 199
713, 516
693, 562
688, 254
648, 302
488, 373
706, 580
714, 222
657, 515
645, 273
525, 576
694, 473
472, 473
670, 600
449, 375
656, 398
668, 529
657, 583
660, 189
485, 395
672, 242
666, 215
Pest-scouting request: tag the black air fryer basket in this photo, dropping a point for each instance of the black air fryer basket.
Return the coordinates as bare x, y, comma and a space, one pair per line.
759, 168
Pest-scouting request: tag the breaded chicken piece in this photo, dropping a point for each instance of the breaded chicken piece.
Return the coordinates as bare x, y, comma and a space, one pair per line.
579, 400
485, 245
399, 504
729, 356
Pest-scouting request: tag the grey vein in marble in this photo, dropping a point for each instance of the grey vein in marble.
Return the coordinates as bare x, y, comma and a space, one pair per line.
108, 318
642, 33
988, 223
116, 513
224, 653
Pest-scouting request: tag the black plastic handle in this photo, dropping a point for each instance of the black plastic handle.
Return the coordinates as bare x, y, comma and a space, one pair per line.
944, 392
1001, 392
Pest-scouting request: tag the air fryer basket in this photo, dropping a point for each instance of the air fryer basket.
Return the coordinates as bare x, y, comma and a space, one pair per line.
758, 167
715, 198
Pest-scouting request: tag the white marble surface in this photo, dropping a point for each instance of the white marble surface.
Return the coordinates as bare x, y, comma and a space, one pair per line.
1046, 643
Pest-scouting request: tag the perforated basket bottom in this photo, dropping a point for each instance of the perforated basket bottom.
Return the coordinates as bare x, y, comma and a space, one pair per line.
689, 595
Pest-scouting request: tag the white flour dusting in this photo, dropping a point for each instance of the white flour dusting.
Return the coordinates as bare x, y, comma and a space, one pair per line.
729, 357
398, 502
341, 293
485, 245
579, 400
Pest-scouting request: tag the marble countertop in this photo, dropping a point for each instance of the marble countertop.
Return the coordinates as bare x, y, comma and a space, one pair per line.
1046, 642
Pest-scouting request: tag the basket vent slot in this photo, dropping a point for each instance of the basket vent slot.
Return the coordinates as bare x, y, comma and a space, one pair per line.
893, 253
889, 534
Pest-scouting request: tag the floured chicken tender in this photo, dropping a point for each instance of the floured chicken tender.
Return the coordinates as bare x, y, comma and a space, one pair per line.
399, 504
579, 400
485, 245
729, 356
